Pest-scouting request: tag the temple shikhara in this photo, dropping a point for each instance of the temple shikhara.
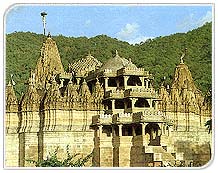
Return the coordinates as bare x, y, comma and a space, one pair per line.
109, 109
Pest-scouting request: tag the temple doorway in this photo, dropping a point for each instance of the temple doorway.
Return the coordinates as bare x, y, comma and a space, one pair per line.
154, 132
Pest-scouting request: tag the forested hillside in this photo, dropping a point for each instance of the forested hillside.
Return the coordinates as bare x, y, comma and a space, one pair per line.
160, 55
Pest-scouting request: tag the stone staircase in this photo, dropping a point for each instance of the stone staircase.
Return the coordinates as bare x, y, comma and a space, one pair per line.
159, 154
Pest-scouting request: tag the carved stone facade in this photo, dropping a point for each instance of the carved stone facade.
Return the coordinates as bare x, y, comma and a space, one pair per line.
109, 109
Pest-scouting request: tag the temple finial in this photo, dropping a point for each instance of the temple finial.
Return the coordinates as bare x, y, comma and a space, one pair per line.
49, 35
183, 55
117, 53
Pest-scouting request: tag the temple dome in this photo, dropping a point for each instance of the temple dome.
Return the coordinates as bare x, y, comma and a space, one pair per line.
85, 65
117, 63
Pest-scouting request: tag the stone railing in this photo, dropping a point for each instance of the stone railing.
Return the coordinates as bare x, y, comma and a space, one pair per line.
149, 116
114, 94
102, 119
122, 118
109, 72
131, 71
141, 92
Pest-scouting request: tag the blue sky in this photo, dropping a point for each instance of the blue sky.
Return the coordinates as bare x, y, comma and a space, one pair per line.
132, 23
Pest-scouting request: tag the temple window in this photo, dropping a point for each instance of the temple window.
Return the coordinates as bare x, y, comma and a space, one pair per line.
107, 130
134, 81
129, 103
142, 103
112, 82
127, 130
119, 104
121, 81
138, 129
108, 104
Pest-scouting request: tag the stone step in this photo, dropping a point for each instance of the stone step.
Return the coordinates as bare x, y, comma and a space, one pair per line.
160, 154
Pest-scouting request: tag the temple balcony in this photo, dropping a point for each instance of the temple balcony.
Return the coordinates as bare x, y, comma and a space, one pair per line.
141, 92
102, 119
149, 116
132, 71
122, 118
135, 109
114, 94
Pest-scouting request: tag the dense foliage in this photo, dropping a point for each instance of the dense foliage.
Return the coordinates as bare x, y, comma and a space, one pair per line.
159, 55
70, 161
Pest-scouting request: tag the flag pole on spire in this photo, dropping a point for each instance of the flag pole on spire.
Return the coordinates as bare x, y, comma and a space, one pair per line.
43, 14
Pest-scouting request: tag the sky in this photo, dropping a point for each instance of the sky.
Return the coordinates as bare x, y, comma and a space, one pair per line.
131, 23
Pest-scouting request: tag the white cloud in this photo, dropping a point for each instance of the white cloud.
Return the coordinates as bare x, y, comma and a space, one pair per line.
191, 22
139, 39
129, 31
187, 23
206, 18
131, 34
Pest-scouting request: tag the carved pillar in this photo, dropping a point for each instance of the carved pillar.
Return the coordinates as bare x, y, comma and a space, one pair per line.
155, 105
106, 82
125, 81
161, 128
143, 128
113, 105
147, 82
151, 103
120, 129
133, 102
113, 131
118, 83
96, 132
133, 130
100, 130
142, 80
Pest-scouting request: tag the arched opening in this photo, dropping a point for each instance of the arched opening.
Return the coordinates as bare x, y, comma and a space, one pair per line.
128, 103
107, 130
112, 82
154, 131
142, 103
119, 104
120, 81
107, 104
127, 130
138, 129
134, 81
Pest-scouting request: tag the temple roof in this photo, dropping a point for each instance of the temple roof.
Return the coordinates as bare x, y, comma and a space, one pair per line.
117, 63
85, 65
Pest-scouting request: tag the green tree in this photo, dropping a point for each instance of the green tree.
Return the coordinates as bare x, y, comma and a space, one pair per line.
69, 161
